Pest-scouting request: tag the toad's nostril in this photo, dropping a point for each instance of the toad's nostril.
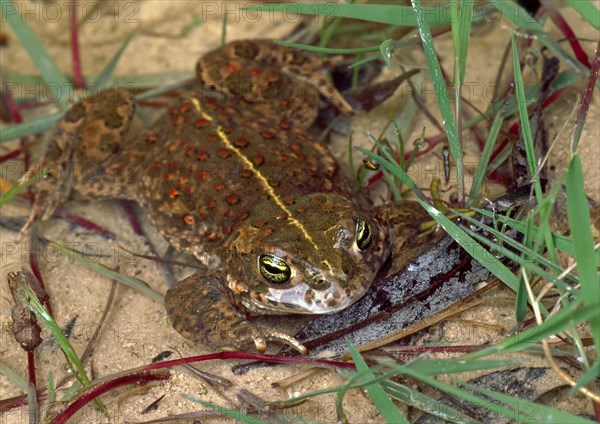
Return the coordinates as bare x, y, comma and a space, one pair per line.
318, 283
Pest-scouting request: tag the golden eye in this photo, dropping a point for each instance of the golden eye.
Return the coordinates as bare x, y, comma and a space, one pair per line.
274, 269
363, 233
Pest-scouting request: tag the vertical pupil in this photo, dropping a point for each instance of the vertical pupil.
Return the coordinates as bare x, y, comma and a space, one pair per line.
363, 234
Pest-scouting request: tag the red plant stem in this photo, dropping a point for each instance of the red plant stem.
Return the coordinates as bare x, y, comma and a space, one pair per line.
253, 357
18, 401
31, 105
12, 106
584, 106
132, 216
31, 368
478, 137
564, 27
596, 407
145, 375
77, 74
141, 379
10, 155
552, 98
17, 119
87, 224
9, 404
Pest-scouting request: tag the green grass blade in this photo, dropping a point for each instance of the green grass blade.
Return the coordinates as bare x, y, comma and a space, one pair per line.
587, 10
580, 225
461, 14
14, 378
530, 266
157, 91
544, 211
56, 82
441, 95
543, 413
32, 404
521, 300
531, 260
73, 361
35, 126
106, 74
571, 315
433, 367
466, 16
522, 296
434, 407
136, 80
42, 314
14, 190
51, 389
525, 127
484, 160
132, 282
382, 13
71, 392
329, 50
329, 29
530, 153
561, 242
462, 394
384, 405
589, 376
355, 176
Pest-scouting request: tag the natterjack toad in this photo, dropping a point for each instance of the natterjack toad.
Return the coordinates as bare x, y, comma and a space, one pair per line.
233, 178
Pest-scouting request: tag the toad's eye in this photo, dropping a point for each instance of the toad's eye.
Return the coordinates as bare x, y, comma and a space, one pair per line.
274, 269
363, 233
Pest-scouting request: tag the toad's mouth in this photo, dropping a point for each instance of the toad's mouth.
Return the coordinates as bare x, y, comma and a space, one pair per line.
305, 299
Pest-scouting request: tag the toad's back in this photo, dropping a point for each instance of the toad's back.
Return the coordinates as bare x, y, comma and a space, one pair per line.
206, 164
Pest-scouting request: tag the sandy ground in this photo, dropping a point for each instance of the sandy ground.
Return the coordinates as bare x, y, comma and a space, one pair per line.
136, 329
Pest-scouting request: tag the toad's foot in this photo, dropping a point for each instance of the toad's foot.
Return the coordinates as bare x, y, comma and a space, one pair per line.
200, 310
280, 81
404, 221
86, 139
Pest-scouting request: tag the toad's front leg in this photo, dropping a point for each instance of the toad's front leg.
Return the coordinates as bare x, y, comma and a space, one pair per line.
84, 144
200, 309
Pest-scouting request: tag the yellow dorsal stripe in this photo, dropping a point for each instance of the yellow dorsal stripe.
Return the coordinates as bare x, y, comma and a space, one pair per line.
251, 166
